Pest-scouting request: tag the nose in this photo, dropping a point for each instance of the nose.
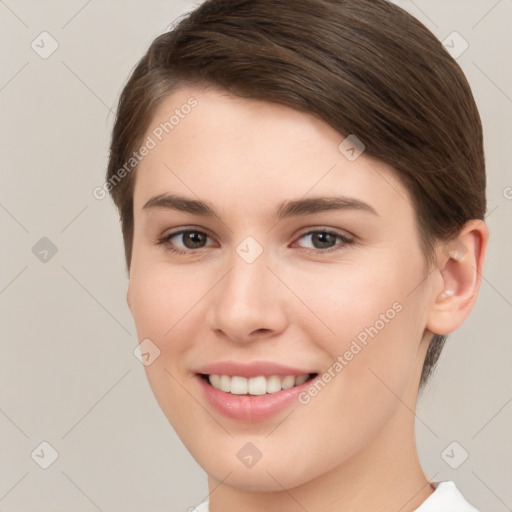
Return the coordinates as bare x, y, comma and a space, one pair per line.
248, 303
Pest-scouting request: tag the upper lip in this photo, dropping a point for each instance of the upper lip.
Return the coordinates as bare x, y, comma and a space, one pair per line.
248, 370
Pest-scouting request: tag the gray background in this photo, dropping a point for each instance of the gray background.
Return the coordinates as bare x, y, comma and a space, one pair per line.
68, 375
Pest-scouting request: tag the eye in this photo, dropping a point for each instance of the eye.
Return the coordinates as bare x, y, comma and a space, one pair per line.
186, 241
324, 240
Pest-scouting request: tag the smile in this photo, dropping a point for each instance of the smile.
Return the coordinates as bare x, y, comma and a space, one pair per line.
251, 392
259, 385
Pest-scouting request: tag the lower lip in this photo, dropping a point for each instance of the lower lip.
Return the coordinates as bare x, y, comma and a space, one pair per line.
251, 408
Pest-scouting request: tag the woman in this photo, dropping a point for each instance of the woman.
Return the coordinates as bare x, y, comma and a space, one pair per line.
301, 187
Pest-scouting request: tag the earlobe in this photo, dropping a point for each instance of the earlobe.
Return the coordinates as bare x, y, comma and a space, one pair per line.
460, 267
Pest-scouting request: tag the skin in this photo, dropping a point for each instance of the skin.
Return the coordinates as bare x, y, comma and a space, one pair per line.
352, 447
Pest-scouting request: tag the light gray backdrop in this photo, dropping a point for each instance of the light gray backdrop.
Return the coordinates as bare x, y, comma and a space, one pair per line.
68, 375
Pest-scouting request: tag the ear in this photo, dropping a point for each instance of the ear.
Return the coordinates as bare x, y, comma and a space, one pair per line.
460, 265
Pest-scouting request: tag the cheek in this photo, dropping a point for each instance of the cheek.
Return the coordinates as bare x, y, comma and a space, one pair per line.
347, 299
160, 300
366, 315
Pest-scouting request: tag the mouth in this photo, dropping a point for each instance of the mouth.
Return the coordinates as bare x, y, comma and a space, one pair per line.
255, 386
252, 391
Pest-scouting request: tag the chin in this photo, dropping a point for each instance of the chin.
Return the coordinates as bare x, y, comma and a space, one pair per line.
274, 474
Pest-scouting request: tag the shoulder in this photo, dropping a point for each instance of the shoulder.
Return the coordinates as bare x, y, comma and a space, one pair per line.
446, 497
202, 507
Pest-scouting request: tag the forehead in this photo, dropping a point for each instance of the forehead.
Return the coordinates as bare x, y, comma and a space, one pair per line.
236, 151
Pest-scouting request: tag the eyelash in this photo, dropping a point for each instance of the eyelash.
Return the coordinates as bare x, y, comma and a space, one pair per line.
165, 241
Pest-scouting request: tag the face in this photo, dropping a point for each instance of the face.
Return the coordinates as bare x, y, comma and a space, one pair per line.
240, 269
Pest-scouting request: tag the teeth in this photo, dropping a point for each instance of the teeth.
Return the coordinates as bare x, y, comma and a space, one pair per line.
273, 384
239, 385
301, 379
225, 383
288, 382
255, 385
215, 381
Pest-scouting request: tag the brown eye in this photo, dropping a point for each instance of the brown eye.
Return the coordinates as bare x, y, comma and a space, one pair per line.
186, 240
193, 239
323, 241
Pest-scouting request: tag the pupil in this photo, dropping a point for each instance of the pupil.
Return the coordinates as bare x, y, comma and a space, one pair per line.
324, 239
193, 239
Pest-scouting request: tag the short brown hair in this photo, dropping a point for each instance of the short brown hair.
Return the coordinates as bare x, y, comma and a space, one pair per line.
366, 67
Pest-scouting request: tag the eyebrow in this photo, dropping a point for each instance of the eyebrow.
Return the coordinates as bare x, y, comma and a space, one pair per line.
290, 208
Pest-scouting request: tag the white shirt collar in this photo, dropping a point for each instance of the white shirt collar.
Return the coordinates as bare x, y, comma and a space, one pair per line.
446, 497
